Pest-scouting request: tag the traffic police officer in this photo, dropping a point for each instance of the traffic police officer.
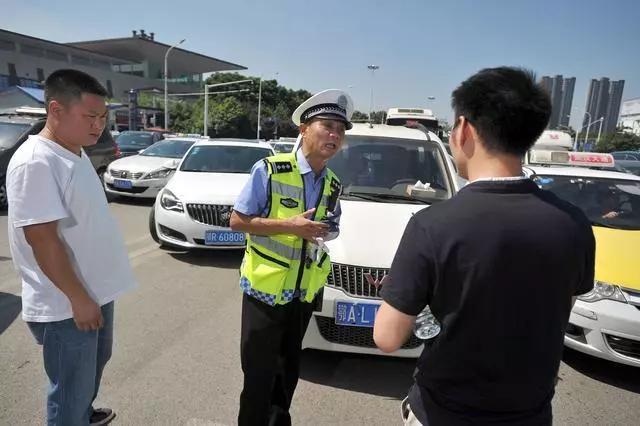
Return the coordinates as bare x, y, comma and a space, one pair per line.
288, 208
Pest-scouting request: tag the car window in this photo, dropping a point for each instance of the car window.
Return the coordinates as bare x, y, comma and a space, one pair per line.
223, 159
10, 133
135, 139
612, 203
619, 156
380, 165
169, 148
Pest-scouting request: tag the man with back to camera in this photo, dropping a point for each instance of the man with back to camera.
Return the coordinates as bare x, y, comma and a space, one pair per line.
499, 264
67, 247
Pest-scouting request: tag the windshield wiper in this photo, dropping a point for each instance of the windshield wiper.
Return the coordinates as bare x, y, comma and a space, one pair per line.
374, 196
603, 225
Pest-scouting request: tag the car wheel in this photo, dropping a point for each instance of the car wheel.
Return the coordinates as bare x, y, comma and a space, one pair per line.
152, 226
4, 202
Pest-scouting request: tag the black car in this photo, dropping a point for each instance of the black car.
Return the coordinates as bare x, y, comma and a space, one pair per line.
132, 142
17, 124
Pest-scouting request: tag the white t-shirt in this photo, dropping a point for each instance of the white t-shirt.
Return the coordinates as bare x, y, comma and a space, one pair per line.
45, 183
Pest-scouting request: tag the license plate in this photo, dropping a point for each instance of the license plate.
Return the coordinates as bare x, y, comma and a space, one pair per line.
356, 314
219, 238
124, 184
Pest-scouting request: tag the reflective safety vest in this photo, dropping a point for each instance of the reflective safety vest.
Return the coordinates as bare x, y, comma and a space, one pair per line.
277, 268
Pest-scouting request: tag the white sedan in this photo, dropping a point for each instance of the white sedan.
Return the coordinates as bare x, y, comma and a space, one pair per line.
194, 208
145, 174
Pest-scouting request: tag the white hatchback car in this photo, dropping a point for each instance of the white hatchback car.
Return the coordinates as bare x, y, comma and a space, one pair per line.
378, 166
194, 208
145, 174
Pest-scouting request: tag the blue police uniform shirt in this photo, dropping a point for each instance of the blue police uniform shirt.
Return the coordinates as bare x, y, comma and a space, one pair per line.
252, 201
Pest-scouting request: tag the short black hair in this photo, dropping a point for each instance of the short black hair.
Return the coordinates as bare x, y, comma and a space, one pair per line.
68, 85
506, 106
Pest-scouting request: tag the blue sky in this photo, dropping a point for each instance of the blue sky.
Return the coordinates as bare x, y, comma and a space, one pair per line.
424, 48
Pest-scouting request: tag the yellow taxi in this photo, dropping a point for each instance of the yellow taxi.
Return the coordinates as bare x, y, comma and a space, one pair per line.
606, 321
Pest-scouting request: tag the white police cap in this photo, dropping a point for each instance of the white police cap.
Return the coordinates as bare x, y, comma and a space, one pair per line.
334, 104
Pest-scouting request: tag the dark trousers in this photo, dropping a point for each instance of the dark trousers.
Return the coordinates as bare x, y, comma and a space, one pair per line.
270, 349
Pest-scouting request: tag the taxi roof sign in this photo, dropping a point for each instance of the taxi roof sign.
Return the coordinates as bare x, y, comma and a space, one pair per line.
571, 158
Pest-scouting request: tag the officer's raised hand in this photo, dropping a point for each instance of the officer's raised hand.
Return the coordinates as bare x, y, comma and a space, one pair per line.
308, 229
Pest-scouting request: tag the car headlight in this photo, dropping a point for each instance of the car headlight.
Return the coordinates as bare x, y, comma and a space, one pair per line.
170, 202
158, 174
602, 291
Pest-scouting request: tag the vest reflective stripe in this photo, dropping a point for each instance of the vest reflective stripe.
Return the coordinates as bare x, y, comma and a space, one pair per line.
286, 190
277, 247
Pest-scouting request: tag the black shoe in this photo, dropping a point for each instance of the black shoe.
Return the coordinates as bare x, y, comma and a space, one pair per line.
102, 416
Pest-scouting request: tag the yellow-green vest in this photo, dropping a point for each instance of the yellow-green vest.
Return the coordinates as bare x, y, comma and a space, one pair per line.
277, 268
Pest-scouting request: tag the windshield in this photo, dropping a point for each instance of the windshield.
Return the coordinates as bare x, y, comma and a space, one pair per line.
612, 203
171, 148
223, 158
389, 167
135, 139
9, 134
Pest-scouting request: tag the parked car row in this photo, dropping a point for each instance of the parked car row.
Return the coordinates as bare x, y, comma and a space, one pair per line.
17, 124
195, 182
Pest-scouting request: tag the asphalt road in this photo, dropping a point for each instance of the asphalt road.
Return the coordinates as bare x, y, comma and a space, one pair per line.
176, 354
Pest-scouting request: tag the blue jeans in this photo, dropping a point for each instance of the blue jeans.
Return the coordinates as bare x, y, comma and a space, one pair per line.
74, 361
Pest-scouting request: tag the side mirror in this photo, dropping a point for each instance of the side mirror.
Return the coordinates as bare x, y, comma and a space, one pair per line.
171, 164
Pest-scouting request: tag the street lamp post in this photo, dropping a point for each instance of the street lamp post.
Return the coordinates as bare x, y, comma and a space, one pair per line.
166, 98
259, 106
373, 69
586, 135
600, 130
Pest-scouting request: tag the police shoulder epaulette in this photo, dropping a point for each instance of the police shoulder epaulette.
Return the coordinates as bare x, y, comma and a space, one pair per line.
335, 184
281, 167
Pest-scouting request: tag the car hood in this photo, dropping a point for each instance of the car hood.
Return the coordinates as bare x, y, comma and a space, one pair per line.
616, 256
370, 232
141, 163
207, 188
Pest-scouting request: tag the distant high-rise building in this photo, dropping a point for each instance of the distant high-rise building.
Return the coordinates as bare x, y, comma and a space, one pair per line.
613, 109
560, 91
567, 100
547, 84
603, 101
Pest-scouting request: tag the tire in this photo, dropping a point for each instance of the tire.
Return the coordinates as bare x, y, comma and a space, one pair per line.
4, 202
152, 226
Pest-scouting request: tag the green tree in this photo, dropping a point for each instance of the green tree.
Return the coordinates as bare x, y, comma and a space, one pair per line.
619, 141
182, 117
226, 117
359, 116
236, 114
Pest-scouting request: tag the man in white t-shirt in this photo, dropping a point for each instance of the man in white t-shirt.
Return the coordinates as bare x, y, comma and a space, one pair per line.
67, 248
